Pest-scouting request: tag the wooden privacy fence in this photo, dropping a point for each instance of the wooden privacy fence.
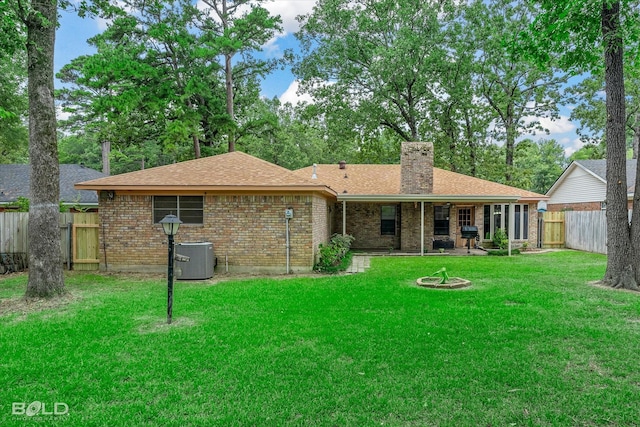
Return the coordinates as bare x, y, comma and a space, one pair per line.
587, 231
553, 229
79, 240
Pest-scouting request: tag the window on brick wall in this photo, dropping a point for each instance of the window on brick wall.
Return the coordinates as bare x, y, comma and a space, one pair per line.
189, 209
441, 220
388, 220
497, 216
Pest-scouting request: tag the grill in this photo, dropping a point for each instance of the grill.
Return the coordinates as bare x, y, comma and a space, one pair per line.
469, 232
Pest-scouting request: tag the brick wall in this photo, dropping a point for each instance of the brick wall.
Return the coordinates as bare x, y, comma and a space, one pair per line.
363, 223
416, 168
321, 225
249, 230
584, 206
411, 214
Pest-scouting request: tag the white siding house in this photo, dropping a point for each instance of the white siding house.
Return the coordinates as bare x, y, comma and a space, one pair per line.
583, 186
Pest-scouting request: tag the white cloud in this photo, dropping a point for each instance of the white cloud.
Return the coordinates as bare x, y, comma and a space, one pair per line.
271, 48
102, 23
61, 115
571, 145
292, 96
557, 126
288, 11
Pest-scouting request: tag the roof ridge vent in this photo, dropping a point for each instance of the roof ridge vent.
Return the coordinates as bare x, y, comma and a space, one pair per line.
342, 164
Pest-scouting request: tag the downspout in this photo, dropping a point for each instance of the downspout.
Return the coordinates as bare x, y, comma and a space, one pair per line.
344, 217
287, 244
422, 228
104, 248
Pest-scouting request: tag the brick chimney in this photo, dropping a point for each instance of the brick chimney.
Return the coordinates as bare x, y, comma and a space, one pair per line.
416, 168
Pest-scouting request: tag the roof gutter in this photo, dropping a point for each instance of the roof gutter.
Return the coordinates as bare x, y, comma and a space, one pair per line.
209, 189
426, 198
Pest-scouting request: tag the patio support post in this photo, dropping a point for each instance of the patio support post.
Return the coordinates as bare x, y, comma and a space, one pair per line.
422, 228
510, 230
344, 217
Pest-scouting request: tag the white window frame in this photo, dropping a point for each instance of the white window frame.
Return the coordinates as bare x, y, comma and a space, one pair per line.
502, 209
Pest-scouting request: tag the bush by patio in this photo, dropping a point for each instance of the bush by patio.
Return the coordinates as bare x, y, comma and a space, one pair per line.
335, 256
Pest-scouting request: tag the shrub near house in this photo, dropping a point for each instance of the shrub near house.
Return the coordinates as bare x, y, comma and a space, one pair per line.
335, 255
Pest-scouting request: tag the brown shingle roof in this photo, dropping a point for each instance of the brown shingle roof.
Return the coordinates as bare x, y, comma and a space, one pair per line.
238, 171
385, 180
225, 172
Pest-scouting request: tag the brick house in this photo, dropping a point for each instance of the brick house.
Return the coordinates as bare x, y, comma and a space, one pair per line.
237, 202
583, 186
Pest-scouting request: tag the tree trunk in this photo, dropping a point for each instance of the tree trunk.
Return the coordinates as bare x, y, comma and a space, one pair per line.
509, 148
636, 135
228, 70
45, 261
196, 146
620, 272
106, 162
229, 83
471, 143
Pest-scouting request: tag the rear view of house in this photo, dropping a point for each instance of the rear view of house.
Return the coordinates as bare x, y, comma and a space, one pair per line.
238, 203
415, 207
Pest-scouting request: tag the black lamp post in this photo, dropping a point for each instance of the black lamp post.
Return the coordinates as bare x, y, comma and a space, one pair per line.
170, 225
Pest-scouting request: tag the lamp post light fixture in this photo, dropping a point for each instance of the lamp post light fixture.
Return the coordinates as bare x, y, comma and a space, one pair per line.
170, 225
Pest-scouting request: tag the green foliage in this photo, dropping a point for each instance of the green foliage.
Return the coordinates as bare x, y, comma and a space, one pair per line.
155, 80
537, 165
458, 85
333, 256
14, 137
500, 238
502, 252
22, 204
589, 151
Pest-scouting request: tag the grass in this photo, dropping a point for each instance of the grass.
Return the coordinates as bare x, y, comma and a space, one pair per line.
530, 343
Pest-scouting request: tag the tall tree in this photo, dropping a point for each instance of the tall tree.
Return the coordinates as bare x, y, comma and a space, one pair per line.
537, 165
586, 32
157, 76
517, 91
590, 110
234, 30
38, 19
352, 51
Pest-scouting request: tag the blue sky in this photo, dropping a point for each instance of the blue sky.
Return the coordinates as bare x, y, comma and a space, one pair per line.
73, 32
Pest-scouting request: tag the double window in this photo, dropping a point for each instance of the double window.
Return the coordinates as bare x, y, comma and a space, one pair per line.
189, 209
497, 216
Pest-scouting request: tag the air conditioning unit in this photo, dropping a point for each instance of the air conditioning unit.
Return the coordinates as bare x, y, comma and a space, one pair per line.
201, 261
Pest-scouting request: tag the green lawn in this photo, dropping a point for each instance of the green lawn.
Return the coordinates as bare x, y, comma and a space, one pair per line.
530, 343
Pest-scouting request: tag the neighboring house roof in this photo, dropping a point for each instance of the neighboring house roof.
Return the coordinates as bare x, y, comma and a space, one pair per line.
230, 172
378, 181
15, 181
586, 181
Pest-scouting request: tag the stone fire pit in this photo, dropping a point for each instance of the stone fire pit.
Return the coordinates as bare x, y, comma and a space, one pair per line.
441, 280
